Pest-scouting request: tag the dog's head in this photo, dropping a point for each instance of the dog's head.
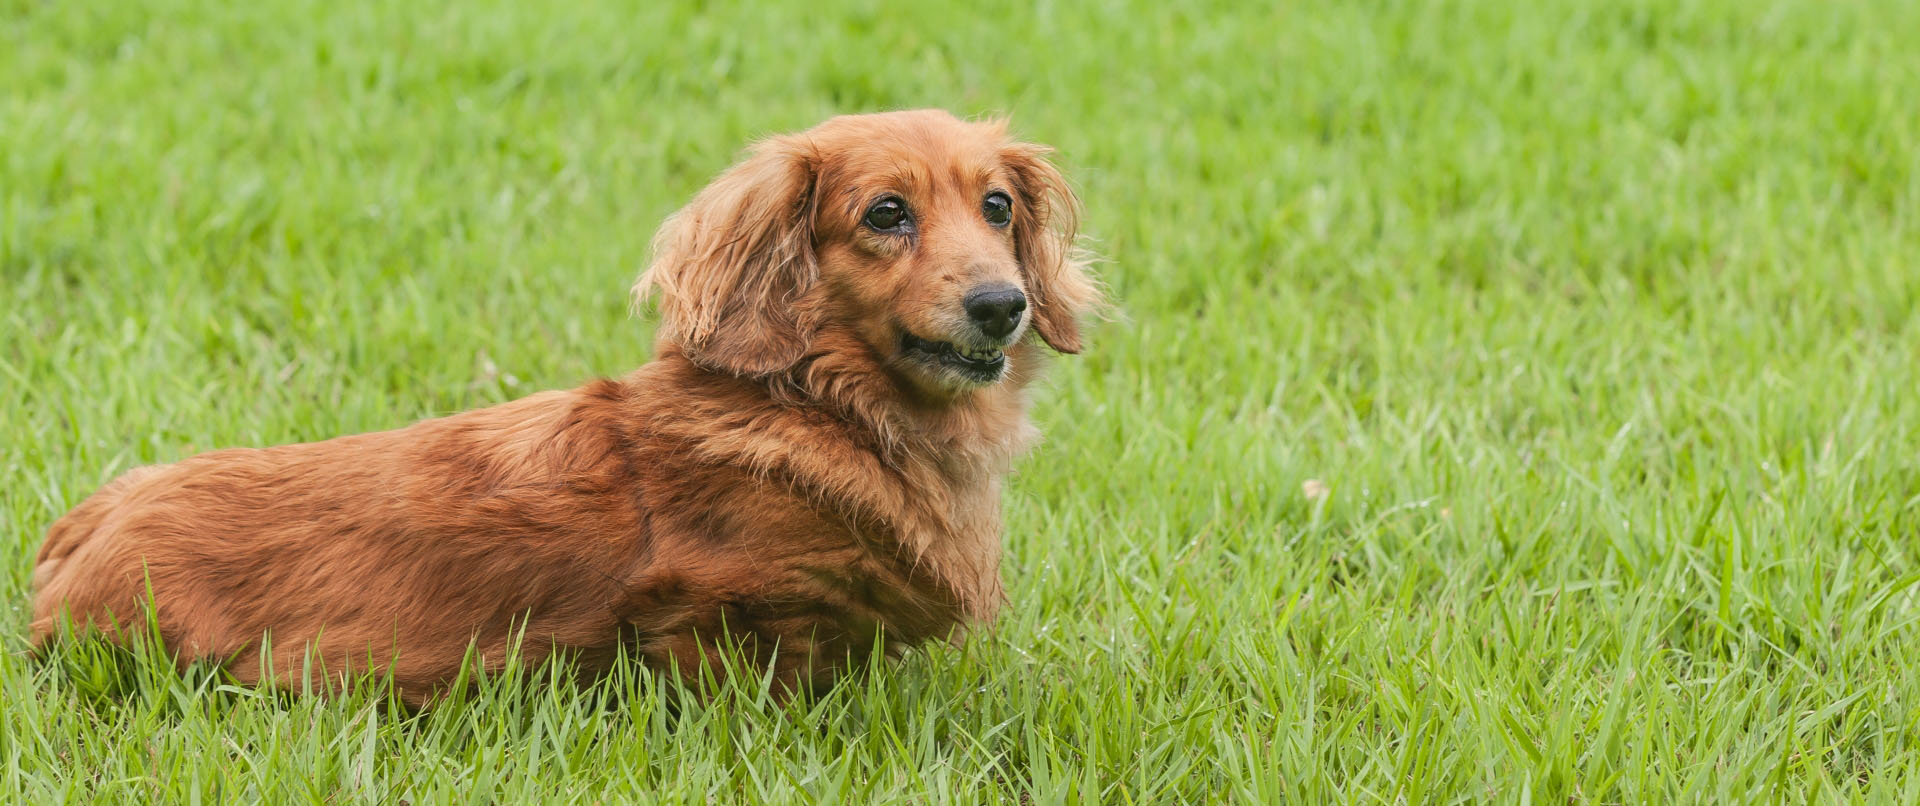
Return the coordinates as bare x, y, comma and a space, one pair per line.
938, 243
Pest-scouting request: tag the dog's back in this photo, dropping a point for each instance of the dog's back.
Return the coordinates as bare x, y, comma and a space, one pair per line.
357, 541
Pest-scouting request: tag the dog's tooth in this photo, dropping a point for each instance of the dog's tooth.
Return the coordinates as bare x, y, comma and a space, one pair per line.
978, 353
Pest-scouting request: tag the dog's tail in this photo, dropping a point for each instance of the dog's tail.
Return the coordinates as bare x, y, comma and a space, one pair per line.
69, 534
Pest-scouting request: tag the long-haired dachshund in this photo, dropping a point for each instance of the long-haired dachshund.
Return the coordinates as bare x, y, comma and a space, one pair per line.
810, 466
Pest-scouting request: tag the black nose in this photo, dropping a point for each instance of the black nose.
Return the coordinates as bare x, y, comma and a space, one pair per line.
996, 310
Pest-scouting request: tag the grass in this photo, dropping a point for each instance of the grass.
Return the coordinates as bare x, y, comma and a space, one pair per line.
1589, 325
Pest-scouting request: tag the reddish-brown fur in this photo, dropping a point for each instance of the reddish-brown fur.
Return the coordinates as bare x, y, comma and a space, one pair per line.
780, 468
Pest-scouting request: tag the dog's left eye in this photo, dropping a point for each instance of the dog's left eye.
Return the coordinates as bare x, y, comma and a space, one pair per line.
997, 208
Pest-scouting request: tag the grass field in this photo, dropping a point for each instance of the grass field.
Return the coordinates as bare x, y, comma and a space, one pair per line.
1505, 401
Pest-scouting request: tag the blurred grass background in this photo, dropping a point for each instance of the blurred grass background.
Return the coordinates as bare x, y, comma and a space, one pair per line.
1590, 323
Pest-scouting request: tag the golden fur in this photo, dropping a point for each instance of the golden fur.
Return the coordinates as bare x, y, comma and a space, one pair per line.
784, 472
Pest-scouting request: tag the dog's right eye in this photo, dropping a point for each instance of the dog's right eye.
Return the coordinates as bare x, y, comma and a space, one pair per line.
886, 215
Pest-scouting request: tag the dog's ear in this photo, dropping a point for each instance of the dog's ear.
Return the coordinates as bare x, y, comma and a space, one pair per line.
1045, 220
729, 267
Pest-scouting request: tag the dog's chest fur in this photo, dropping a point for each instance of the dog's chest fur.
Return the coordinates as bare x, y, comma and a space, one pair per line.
807, 531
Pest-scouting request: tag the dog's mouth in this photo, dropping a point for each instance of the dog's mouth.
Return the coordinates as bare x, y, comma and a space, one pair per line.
978, 364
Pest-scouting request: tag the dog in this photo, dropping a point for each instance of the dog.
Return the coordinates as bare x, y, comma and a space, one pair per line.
807, 474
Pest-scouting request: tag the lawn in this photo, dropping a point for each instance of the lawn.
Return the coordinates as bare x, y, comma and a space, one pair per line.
1503, 400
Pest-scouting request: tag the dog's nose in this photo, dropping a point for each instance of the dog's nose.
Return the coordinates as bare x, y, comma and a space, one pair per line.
996, 310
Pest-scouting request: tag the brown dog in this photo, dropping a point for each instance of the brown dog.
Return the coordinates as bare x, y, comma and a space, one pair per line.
811, 463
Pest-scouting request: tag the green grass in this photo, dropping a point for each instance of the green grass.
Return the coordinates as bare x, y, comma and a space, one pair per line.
1594, 320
